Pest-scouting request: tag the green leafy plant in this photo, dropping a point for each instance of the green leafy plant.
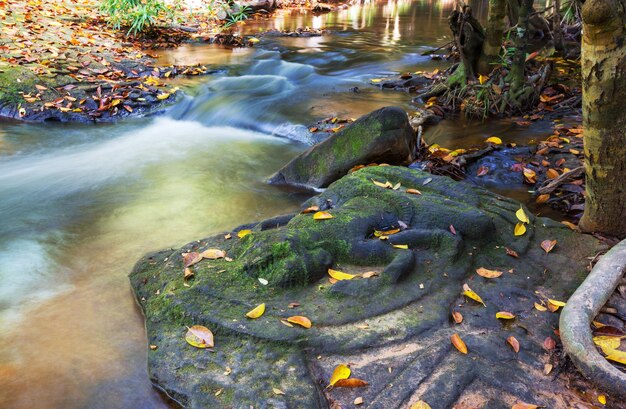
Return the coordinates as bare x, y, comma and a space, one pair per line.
137, 15
236, 14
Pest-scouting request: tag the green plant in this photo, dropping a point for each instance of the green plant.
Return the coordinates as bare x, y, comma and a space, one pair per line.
137, 15
236, 14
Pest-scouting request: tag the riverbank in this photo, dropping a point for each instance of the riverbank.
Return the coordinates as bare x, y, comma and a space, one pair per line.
62, 62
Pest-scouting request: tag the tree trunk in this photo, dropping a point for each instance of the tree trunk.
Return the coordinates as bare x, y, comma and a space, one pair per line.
559, 41
604, 116
496, 24
516, 77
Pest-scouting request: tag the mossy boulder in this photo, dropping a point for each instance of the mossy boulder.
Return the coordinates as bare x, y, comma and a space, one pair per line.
382, 136
393, 328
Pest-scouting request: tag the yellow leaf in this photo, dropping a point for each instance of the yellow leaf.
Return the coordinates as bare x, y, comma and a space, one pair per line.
322, 216
519, 229
495, 140
556, 303
602, 399
300, 320
521, 215
213, 254
339, 275
253, 40
617, 356
163, 96
277, 391
243, 233
469, 293
606, 343
482, 79
540, 307
483, 272
420, 405
401, 246
115, 102
385, 185
379, 233
340, 372
376, 80
199, 337
458, 343
504, 315
256, 312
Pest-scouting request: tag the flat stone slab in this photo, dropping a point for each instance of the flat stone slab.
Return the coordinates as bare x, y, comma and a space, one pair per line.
393, 329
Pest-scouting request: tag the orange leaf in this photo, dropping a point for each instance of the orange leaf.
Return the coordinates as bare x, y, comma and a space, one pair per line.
457, 317
514, 343
413, 192
189, 259
483, 272
213, 254
300, 320
524, 405
311, 209
458, 343
350, 383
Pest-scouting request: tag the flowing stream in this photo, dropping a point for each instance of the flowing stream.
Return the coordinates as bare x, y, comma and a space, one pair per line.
79, 204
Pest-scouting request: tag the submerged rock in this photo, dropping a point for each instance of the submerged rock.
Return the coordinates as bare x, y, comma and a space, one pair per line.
382, 136
393, 328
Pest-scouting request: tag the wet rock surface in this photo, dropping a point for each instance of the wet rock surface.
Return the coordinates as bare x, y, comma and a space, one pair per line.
394, 328
381, 136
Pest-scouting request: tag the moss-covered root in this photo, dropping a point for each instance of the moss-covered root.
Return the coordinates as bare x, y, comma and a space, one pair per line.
581, 309
457, 79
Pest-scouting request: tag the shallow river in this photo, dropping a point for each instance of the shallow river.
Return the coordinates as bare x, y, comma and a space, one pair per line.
80, 204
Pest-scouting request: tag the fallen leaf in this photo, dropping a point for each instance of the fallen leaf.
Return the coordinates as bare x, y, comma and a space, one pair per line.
468, 292
339, 275
340, 372
548, 245
350, 383
505, 315
519, 229
163, 96
540, 307
187, 274
385, 185
420, 405
277, 391
482, 171
521, 216
458, 343
602, 399
413, 192
263, 281
547, 368
617, 356
256, 312
358, 400
287, 323
556, 303
369, 274
397, 186
457, 317
322, 216
213, 254
529, 175
511, 253
552, 174
243, 233
199, 337
549, 343
401, 246
452, 230
570, 225
514, 343
495, 140
300, 320
311, 209
483, 272
542, 199
189, 259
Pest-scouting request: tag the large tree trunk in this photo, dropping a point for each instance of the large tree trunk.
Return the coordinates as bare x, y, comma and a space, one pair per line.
604, 115
496, 24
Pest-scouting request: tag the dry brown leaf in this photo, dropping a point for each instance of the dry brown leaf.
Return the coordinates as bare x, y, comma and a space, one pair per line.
511, 253
199, 336
213, 254
189, 259
548, 245
350, 383
457, 317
